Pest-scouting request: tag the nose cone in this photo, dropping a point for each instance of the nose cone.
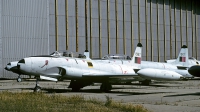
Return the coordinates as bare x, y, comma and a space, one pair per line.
6, 68
145, 72
194, 70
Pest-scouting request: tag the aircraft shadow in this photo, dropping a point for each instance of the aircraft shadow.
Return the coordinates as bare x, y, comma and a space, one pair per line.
17, 89
52, 90
122, 93
153, 85
139, 93
195, 79
99, 91
56, 90
194, 94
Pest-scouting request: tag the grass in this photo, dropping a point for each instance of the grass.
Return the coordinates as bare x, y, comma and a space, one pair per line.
35, 102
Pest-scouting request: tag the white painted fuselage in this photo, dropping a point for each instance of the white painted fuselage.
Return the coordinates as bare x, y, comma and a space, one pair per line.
73, 67
155, 70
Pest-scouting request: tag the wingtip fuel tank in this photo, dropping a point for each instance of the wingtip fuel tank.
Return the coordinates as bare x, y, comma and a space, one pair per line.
194, 70
158, 74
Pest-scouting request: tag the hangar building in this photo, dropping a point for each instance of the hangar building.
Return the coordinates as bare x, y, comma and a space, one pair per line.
36, 27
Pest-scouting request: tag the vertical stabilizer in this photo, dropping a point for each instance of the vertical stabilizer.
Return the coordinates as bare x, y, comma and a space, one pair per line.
183, 57
137, 56
87, 54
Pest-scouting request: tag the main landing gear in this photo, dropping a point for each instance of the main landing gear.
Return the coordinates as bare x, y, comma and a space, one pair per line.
76, 85
145, 82
105, 87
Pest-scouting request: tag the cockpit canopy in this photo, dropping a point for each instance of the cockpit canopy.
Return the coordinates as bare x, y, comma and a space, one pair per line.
67, 54
192, 58
116, 56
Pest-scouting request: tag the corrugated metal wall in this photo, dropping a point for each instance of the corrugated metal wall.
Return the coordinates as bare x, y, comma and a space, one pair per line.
24, 30
113, 26
116, 26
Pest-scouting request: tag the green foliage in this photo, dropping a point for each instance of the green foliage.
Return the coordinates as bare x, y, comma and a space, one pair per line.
34, 102
123, 107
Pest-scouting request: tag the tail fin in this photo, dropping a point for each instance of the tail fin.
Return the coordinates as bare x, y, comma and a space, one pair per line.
87, 54
137, 57
183, 57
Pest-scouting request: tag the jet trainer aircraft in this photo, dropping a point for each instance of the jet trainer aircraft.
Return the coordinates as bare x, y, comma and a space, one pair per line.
157, 70
81, 71
179, 66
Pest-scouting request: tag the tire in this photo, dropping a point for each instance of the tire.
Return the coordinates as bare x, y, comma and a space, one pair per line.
19, 80
37, 89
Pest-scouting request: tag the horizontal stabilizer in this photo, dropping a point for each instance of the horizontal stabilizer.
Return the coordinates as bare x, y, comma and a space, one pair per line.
136, 70
48, 78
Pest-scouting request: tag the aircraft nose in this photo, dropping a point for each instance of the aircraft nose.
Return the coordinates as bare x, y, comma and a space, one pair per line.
194, 70
6, 68
22, 61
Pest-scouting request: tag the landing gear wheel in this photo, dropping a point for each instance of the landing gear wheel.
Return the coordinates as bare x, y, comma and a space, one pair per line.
75, 89
145, 82
37, 89
105, 87
19, 79
185, 79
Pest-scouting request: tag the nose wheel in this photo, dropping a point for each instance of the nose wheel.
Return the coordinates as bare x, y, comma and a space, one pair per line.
37, 86
19, 79
37, 89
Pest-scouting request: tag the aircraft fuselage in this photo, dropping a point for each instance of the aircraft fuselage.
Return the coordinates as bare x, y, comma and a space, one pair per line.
72, 67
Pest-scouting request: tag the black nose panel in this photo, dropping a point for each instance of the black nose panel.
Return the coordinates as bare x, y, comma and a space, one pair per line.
194, 70
6, 68
18, 66
22, 61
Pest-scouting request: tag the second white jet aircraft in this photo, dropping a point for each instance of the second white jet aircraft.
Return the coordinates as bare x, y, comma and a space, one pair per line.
158, 70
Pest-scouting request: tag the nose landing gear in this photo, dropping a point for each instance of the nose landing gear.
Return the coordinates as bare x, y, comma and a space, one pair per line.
37, 86
19, 79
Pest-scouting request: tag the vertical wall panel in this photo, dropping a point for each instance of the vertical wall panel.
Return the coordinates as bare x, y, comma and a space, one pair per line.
1, 44
197, 29
24, 30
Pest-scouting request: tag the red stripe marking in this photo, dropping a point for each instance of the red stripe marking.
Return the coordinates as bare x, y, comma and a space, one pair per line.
121, 69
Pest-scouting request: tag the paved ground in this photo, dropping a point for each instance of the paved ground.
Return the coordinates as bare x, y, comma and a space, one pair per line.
176, 96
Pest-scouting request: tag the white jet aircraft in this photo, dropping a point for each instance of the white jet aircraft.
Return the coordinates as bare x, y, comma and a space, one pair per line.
81, 71
157, 70
180, 66
12, 66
